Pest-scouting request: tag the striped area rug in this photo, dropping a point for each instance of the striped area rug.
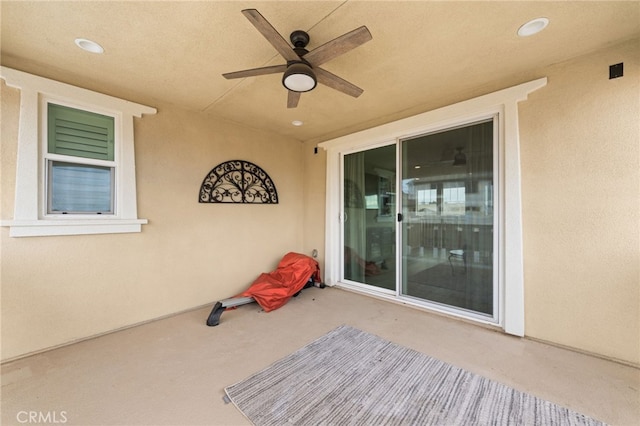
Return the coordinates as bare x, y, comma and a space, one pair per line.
350, 377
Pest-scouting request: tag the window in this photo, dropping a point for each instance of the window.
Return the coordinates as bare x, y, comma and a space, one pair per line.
75, 169
371, 202
426, 200
80, 161
78, 188
453, 198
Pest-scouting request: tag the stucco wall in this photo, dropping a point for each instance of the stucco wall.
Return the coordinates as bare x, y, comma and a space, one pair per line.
580, 141
59, 289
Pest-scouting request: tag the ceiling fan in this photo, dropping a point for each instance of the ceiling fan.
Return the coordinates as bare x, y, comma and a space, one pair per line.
302, 71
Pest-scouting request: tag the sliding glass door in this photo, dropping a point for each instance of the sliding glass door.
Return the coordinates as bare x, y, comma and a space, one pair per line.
448, 217
369, 212
427, 233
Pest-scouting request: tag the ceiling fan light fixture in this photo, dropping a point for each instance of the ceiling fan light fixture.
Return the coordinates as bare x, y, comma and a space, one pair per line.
299, 77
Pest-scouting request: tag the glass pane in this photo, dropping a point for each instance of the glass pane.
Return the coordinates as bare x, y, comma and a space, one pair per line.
369, 217
447, 230
80, 188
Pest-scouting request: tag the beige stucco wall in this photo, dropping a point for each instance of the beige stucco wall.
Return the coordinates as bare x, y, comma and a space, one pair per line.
59, 289
580, 139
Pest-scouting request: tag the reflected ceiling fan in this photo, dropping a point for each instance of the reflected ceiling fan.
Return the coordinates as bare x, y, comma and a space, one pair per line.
302, 71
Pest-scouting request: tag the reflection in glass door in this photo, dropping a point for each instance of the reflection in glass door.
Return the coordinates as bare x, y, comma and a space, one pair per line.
448, 218
369, 213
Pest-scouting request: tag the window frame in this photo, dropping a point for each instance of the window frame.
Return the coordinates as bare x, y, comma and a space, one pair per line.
30, 209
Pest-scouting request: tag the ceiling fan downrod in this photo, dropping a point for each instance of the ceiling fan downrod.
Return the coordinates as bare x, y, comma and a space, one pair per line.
299, 39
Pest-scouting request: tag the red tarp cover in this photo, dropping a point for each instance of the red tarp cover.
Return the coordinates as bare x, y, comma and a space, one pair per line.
274, 289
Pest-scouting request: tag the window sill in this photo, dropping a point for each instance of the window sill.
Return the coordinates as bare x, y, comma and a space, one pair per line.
49, 227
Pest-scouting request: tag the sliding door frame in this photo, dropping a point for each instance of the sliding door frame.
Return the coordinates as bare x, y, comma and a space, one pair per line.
504, 104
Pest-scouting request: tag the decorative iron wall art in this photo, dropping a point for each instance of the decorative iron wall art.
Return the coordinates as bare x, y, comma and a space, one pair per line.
238, 181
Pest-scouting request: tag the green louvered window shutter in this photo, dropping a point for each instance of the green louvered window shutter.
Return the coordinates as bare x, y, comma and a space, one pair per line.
80, 133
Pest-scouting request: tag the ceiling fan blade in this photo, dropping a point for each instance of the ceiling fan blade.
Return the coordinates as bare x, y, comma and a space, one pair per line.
292, 99
255, 71
270, 33
338, 46
335, 82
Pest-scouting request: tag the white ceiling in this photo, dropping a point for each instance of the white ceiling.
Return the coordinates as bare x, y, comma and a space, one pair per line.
424, 54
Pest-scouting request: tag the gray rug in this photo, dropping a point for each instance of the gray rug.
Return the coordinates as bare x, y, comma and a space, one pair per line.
350, 377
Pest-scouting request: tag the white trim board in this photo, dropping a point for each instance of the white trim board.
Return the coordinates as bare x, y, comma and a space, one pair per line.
29, 217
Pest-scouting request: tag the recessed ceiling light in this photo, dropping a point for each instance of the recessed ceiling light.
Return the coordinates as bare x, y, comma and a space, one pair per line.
533, 27
297, 123
89, 46
416, 167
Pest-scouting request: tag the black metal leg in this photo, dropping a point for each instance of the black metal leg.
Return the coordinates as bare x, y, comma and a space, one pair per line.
214, 316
